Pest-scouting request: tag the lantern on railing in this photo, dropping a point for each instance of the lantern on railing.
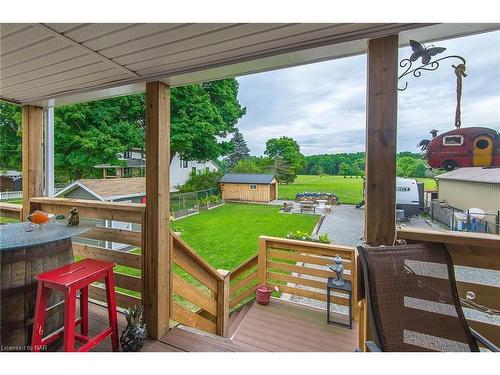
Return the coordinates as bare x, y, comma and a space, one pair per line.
338, 268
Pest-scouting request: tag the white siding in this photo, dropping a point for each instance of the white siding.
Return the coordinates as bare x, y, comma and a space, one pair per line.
180, 171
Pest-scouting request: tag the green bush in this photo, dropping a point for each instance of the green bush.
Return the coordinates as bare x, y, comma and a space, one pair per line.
304, 236
201, 181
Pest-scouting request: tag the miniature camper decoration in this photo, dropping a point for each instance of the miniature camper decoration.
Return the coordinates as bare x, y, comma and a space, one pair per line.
461, 147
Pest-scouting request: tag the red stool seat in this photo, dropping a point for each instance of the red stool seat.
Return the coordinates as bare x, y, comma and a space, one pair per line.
69, 279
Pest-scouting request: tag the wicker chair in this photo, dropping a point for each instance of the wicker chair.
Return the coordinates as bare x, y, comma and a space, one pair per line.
412, 300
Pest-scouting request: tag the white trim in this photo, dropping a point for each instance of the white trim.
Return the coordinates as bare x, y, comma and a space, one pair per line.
453, 136
49, 151
76, 184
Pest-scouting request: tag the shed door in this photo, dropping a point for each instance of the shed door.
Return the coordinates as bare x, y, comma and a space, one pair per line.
482, 154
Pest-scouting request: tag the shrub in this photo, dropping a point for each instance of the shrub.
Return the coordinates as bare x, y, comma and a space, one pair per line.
201, 181
303, 236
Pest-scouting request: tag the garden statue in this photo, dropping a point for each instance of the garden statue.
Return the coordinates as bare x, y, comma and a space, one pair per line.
338, 268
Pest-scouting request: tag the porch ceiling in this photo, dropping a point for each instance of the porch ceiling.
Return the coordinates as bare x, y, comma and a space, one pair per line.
77, 62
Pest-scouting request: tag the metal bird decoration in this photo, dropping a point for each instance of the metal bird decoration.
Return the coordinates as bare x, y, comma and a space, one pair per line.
419, 51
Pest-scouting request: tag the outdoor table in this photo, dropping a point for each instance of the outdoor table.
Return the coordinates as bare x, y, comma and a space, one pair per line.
345, 288
26, 251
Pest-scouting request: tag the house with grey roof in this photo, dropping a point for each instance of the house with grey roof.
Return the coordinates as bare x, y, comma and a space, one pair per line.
249, 187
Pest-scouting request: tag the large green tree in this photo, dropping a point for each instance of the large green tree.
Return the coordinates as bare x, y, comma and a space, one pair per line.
10, 137
86, 134
287, 150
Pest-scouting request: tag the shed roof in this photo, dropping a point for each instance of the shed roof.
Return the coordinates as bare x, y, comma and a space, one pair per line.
247, 178
473, 174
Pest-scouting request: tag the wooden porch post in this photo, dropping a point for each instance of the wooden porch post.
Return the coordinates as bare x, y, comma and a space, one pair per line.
156, 245
32, 128
381, 119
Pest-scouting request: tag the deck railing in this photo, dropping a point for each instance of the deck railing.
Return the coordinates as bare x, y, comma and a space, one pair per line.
243, 282
476, 257
129, 264
202, 286
298, 268
11, 210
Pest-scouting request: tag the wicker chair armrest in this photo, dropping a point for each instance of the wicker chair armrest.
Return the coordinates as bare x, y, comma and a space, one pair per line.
483, 340
372, 347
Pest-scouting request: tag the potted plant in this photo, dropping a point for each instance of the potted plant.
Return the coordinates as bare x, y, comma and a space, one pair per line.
134, 335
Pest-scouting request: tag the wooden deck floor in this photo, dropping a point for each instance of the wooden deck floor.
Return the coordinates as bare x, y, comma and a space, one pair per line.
280, 326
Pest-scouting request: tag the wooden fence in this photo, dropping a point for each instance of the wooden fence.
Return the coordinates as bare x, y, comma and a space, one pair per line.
11, 210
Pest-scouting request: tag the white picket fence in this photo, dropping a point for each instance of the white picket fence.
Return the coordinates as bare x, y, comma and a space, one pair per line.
6, 195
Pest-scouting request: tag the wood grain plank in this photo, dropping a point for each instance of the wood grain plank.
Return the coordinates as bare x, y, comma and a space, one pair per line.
251, 278
129, 237
101, 253
194, 294
190, 319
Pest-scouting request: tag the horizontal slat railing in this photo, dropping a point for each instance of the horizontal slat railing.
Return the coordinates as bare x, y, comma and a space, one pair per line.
299, 268
92, 244
200, 292
480, 253
11, 210
243, 282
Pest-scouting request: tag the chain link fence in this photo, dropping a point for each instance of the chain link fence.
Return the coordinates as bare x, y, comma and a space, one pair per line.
465, 221
182, 204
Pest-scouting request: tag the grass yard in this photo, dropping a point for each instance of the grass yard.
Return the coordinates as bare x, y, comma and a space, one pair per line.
228, 235
349, 190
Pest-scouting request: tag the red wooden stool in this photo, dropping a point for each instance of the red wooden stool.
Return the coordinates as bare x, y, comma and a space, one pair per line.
69, 279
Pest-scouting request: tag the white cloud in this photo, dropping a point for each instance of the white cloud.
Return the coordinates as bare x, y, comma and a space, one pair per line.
322, 105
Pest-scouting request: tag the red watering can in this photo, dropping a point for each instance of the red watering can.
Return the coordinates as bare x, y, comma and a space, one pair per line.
263, 294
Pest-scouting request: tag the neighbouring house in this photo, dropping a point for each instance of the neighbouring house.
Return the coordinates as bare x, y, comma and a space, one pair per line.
135, 165
11, 181
249, 187
132, 190
474, 187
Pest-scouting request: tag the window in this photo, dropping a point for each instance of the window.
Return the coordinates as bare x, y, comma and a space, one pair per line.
253, 187
127, 154
453, 140
127, 172
184, 163
482, 144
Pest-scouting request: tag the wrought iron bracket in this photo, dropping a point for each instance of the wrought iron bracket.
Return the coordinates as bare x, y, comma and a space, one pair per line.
407, 64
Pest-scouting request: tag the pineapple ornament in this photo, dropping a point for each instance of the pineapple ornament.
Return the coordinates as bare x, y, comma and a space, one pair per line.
134, 335
73, 219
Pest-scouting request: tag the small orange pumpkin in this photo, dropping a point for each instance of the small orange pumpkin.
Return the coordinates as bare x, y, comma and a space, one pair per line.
39, 217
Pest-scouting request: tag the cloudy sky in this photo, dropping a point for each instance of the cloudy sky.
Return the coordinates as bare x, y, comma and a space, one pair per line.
322, 105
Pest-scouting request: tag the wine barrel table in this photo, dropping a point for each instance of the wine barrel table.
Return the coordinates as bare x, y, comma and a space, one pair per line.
25, 252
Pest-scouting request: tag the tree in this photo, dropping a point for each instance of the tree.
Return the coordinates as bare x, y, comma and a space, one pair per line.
317, 169
94, 133
86, 134
202, 115
240, 149
408, 166
10, 137
287, 149
248, 165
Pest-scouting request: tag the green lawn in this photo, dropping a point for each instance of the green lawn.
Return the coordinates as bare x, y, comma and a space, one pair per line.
228, 235
349, 190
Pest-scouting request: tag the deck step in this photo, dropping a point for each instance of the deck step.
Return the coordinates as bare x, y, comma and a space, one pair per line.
192, 340
239, 316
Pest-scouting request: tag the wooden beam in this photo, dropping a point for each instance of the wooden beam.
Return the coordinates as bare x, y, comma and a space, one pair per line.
381, 121
157, 246
223, 304
32, 128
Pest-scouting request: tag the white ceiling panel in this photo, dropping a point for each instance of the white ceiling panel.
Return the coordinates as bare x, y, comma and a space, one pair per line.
40, 49
130, 33
39, 62
50, 61
152, 42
